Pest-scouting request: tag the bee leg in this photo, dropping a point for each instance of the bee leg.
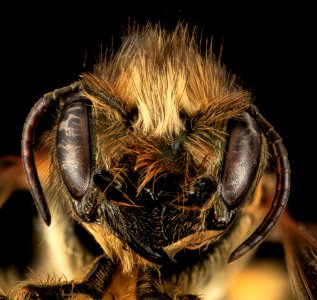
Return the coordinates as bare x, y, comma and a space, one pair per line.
94, 285
148, 288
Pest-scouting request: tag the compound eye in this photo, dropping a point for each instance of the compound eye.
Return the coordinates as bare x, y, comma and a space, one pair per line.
74, 146
242, 160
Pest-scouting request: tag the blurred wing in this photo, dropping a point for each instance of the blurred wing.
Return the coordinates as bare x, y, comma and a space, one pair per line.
300, 245
12, 177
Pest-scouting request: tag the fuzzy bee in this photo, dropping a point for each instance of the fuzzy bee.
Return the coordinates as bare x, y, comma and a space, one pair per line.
161, 156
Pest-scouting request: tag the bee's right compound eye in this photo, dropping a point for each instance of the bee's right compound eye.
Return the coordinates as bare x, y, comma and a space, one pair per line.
74, 147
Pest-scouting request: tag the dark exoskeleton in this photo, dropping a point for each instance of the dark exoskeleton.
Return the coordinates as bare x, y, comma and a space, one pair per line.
150, 221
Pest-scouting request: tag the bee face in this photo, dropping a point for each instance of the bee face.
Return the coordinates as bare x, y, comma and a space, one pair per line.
158, 144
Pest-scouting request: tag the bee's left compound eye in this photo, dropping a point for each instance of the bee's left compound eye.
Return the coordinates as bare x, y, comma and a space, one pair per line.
74, 146
241, 161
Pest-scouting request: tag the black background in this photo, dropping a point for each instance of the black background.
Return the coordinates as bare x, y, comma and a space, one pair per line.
46, 45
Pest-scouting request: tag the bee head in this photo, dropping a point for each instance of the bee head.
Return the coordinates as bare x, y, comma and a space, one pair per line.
155, 139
